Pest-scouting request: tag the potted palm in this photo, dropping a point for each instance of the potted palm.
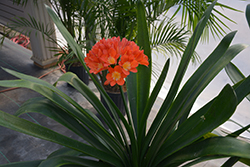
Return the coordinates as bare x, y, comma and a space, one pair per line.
68, 12
173, 139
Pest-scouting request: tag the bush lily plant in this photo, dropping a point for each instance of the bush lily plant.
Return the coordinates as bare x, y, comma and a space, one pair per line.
174, 138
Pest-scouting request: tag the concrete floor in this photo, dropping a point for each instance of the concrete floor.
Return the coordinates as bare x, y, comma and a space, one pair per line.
15, 146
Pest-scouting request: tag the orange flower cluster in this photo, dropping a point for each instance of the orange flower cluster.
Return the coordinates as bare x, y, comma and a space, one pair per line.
119, 57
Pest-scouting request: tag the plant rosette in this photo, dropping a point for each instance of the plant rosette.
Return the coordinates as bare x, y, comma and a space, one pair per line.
113, 59
174, 138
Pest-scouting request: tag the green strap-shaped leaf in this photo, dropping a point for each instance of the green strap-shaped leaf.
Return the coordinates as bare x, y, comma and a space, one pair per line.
77, 50
38, 82
204, 75
72, 160
131, 80
245, 161
86, 118
73, 45
133, 146
73, 80
235, 74
138, 84
201, 78
66, 35
94, 100
151, 101
144, 73
66, 151
197, 83
231, 161
48, 91
22, 164
178, 78
239, 132
222, 146
200, 123
248, 14
242, 88
202, 159
29, 128
44, 106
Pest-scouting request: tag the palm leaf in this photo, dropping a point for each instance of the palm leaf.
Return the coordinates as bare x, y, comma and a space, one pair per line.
192, 12
235, 74
167, 38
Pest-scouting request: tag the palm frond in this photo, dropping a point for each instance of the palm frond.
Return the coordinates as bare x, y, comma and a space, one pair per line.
26, 26
192, 12
169, 39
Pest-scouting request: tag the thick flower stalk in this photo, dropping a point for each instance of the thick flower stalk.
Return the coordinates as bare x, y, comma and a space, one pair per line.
119, 57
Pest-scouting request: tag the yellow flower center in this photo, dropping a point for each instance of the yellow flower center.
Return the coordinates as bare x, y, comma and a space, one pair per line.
116, 75
126, 66
111, 60
100, 66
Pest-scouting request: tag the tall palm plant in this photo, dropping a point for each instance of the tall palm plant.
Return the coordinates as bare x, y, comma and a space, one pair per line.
78, 17
120, 17
191, 11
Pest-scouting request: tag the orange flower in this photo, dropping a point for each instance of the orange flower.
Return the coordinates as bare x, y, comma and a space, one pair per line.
109, 56
115, 76
128, 64
132, 50
141, 58
107, 53
94, 63
109, 49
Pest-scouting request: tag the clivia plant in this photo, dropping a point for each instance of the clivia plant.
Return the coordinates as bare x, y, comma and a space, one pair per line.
173, 139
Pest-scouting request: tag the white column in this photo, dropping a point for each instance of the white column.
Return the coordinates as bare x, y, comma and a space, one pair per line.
42, 56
